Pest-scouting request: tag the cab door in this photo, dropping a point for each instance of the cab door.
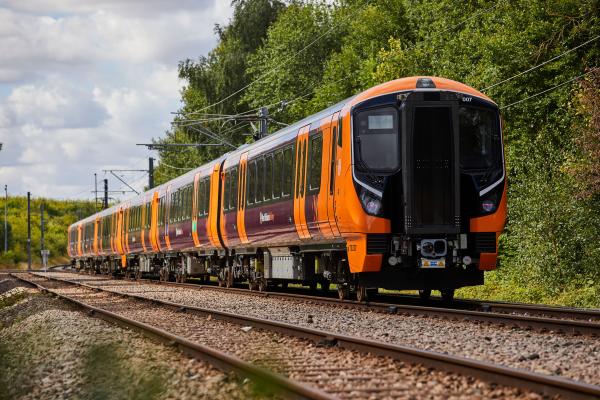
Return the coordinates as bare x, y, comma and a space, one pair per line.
241, 199
300, 183
334, 170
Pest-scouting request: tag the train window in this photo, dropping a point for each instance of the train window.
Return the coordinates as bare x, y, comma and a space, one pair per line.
204, 194
190, 190
316, 149
339, 137
377, 145
302, 169
332, 163
268, 195
234, 189
227, 190
251, 189
199, 197
288, 171
184, 203
277, 175
260, 179
480, 144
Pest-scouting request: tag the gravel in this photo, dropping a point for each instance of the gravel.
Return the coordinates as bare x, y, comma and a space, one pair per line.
347, 374
574, 357
48, 350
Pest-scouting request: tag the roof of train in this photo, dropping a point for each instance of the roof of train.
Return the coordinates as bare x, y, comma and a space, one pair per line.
408, 83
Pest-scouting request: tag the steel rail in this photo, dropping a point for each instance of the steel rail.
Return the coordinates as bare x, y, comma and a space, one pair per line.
544, 324
391, 300
219, 359
545, 384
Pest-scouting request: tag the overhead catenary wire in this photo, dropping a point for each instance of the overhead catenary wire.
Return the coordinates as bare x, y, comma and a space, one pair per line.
541, 64
173, 167
550, 89
270, 71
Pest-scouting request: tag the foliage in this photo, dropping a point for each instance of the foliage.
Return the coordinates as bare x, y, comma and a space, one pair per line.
58, 215
313, 54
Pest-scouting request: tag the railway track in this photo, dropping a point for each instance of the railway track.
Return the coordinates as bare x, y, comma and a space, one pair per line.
386, 302
548, 385
581, 322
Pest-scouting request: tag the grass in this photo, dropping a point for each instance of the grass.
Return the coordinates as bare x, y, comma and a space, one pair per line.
108, 375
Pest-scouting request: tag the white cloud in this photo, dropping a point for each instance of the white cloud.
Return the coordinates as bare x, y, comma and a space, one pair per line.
82, 82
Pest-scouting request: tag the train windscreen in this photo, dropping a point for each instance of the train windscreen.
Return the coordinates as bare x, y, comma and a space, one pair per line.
480, 144
376, 139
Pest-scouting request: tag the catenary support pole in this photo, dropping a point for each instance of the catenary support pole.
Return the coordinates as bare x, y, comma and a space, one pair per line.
29, 231
150, 173
96, 190
42, 226
5, 218
105, 194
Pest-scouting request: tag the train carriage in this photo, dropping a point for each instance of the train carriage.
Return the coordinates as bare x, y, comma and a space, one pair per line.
402, 186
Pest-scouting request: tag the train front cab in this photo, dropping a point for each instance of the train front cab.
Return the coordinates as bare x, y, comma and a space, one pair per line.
429, 181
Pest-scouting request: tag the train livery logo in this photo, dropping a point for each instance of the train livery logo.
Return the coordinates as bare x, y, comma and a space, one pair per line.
266, 217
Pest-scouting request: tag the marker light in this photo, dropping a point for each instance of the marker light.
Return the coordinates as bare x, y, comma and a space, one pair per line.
467, 260
425, 83
488, 205
371, 203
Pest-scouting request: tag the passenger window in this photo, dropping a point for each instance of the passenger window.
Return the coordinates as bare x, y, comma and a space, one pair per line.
226, 190
234, 189
260, 179
302, 164
332, 163
251, 183
288, 173
277, 174
316, 148
268, 177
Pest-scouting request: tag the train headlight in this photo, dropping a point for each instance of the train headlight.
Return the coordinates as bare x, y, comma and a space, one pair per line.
488, 205
371, 203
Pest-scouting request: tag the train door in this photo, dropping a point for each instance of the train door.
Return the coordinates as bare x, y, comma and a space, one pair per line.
167, 215
212, 222
126, 226
154, 218
334, 171
195, 205
79, 240
300, 183
95, 243
241, 199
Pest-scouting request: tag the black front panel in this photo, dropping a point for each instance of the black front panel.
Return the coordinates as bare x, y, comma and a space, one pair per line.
433, 166
430, 167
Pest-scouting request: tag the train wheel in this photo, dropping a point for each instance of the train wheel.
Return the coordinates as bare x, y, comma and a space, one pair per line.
343, 291
284, 285
313, 286
361, 293
262, 285
138, 274
425, 294
220, 281
251, 284
447, 295
325, 286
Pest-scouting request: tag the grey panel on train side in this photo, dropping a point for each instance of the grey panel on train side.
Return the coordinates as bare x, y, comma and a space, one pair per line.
280, 263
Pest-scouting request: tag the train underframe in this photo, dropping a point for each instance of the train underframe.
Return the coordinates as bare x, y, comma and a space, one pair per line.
313, 266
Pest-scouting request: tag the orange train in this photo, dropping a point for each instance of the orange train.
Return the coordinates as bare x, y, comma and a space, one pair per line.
402, 186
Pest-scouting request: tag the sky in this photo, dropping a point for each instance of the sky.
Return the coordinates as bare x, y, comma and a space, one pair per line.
82, 82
